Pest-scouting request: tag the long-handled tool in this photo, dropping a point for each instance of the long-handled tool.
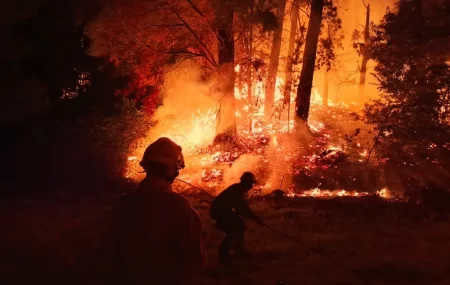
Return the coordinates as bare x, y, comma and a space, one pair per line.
319, 253
198, 188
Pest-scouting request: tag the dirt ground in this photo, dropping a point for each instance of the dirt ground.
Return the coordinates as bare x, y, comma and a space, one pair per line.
340, 241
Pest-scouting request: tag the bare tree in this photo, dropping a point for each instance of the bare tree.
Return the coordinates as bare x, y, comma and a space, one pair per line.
365, 54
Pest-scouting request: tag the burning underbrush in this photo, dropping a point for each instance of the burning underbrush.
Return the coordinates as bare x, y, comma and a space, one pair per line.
331, 160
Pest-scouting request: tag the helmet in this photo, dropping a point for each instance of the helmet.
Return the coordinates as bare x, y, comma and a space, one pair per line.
163, 151
248, 177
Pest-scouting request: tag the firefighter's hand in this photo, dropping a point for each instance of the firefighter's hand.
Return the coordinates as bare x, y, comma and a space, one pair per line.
259, 221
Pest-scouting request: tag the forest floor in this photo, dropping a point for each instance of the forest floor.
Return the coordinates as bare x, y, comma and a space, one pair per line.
344, 240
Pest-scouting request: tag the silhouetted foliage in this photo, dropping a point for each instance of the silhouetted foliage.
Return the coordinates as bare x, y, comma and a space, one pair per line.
411, 48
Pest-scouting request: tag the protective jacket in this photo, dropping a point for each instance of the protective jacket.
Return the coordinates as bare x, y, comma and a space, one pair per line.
157, 237
232, 198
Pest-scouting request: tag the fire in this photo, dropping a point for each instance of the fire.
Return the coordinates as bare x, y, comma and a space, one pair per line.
318, 193
316, 126
196, 133
384, 193
211, 174
266, 144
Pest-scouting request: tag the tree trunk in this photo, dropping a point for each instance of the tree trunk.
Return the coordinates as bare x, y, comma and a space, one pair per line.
226, 119
303, 99
250, 80
365, 57
325, 88
290, 59
273, 64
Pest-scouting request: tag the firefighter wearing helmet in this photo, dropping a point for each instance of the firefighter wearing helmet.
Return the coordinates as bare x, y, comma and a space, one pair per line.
227, 209
159, 233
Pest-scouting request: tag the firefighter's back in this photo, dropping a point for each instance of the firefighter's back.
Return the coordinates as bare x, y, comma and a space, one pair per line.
148, 229
224, 203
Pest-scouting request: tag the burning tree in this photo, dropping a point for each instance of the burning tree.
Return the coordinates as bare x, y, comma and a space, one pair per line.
144, 37
228, 13
411, 48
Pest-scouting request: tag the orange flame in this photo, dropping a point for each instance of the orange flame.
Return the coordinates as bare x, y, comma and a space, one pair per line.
209, 168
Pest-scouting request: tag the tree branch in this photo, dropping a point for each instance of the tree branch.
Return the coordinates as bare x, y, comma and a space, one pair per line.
340, 6
180, 52
210, 57
376, 143
195, 8
364, 3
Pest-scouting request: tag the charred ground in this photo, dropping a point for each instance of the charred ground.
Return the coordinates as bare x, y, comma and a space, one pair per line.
62, 240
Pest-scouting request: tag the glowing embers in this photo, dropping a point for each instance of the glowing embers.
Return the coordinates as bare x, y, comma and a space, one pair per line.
385, 193
316, 126
213, 174
328, 158
364, 153
132, 167
227, 156
318, 193
82, 83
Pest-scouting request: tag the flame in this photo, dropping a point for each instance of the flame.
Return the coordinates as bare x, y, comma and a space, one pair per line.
334, 147
198, 132
384, 193
279, 87
264, 141
316, 126
318, 193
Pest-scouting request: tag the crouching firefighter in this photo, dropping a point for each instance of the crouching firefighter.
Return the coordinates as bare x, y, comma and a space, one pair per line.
158, 233
227, 209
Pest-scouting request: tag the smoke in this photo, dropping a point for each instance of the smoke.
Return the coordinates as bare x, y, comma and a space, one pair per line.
273, 168
187, 115
246, 162
342, 80
188, 112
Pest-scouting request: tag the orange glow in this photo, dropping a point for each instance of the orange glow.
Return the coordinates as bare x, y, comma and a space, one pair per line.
384, 193
264, 147
318, 193
270, 148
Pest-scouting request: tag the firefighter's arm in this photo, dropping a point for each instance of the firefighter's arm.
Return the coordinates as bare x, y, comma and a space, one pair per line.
243, 209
